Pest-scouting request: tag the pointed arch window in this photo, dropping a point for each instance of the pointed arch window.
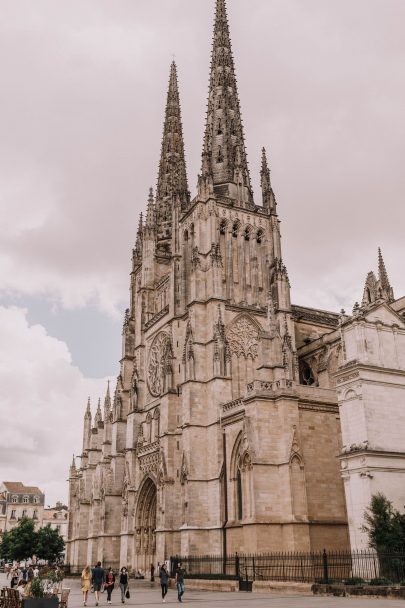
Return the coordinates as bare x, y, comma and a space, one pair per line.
220, 156
259, 237
219, 129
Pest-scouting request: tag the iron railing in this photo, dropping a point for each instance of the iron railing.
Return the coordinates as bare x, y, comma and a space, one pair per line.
324, 566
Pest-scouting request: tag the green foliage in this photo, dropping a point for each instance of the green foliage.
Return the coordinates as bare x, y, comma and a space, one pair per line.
385, 526
5, 546
37, 588
50, 544
20, 542
355, 580
381, 581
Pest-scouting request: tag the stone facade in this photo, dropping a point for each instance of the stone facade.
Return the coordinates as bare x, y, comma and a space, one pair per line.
223, 433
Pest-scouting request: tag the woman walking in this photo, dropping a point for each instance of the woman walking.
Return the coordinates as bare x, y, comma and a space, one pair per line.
109, 584
86, 583
123, 583
164, 580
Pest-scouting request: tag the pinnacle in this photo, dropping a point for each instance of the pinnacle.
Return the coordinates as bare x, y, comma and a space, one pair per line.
269, 200
383, 277
88, 409
107, 401
150, 213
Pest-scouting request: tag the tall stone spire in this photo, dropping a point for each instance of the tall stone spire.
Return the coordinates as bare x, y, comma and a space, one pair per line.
269, 200
224, 154
172, 178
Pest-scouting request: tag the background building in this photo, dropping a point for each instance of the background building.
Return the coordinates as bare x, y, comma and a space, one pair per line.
224, 430
57, 518
18, 501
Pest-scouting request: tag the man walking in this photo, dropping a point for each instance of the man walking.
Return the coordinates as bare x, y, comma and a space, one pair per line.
98, 579
180, 581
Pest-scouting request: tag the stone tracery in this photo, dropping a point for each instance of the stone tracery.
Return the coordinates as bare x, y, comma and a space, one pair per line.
242, 336
159, 366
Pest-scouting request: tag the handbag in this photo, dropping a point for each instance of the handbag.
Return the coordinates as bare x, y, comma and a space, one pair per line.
127, 595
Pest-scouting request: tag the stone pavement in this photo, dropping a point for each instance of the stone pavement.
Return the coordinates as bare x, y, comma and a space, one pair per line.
142, 594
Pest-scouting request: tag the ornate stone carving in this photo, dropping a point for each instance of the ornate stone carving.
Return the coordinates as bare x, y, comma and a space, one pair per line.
159, 365
242, 337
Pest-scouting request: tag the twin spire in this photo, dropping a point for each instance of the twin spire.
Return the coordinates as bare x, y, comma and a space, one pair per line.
172, 178
224, 170
224, 155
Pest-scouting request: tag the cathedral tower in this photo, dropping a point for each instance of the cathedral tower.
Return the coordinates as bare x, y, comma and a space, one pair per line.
207, 447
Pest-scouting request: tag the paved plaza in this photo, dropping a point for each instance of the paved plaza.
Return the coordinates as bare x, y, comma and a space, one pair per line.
143, 594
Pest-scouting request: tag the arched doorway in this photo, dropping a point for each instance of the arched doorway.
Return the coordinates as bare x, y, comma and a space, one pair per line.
145, 538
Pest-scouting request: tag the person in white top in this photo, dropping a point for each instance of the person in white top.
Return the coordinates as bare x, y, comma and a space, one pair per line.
36, 572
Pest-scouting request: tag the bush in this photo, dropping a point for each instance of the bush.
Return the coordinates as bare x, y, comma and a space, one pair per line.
381, 581
354, 580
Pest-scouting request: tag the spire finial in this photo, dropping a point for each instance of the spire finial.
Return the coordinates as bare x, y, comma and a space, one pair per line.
172, 178
224, 153
269, 200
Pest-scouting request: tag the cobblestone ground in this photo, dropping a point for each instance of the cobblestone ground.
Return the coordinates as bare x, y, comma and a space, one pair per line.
142, 594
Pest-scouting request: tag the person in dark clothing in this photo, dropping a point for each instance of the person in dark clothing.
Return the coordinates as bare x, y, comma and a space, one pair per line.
164, 580
180, 582
97, 580
109, 584
123, 583
152, 573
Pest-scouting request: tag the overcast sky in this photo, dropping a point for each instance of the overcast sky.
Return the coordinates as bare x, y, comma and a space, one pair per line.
83, 87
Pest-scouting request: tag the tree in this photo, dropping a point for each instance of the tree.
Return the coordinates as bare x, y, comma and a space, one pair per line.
50, 544
20, 542
385, 525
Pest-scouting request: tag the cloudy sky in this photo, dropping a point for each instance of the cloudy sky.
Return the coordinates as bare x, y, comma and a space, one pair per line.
322, 86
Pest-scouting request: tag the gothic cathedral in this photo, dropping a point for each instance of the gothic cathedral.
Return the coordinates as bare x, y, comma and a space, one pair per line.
223, 432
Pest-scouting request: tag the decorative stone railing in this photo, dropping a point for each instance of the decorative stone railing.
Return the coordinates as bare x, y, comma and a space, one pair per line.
159, 315
226, 407
148, 448
260, 386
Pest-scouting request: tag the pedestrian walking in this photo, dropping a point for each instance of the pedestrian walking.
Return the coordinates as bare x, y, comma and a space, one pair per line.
180, 581
86, 583
124, 583
97, 580
109, 584
36, 572
164, 581
152, 573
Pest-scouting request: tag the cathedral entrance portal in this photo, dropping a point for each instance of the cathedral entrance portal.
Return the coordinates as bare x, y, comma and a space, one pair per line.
145, 538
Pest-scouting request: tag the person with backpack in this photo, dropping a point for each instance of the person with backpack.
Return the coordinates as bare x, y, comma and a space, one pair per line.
97, 580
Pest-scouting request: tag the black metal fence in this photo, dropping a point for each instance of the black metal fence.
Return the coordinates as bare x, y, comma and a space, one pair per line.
324, 566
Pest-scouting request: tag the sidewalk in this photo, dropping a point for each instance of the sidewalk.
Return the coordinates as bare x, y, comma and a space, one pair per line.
143, 594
